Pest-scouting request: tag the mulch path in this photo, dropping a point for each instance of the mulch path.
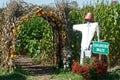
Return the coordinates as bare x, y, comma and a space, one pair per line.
40, 72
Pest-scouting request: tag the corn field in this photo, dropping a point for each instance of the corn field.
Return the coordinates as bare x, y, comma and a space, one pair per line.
108, 17
61, 19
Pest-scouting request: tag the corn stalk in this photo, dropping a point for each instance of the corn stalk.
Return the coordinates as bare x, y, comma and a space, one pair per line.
11, 16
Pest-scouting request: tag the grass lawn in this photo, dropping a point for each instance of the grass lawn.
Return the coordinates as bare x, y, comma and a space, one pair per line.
17, 75
66, 76
21, 75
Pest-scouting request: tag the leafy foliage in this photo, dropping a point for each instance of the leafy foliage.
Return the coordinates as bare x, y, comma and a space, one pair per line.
36, 39
91, 71
108, 18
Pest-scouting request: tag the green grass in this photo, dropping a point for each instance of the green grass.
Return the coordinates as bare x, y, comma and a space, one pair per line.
69, 76
17, 75
59, 75
66, 76
112, 75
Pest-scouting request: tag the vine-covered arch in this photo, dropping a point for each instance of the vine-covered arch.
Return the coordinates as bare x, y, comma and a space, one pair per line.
16, 13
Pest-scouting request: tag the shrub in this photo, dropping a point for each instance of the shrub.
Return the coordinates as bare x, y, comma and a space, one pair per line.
91, 71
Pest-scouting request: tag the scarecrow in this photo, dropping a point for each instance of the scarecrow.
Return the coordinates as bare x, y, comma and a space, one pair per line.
88, 30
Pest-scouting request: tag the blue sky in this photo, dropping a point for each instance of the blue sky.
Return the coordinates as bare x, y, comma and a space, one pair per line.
40, 2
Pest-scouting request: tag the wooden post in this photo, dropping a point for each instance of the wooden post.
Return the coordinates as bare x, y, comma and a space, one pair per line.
100, 57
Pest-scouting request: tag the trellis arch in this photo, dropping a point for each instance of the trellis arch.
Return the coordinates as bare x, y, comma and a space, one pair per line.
13, 18
57, 27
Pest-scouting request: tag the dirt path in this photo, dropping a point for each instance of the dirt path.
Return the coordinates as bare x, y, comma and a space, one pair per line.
37, 72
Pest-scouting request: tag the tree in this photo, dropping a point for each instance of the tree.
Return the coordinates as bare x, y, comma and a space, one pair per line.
74, 4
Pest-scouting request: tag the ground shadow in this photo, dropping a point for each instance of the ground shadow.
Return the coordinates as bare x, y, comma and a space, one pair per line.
38, 70
13, 76
112, 75
26, 64
34, 70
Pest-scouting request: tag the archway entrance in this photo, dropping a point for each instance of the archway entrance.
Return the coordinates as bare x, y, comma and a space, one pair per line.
35, 39
56, 18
